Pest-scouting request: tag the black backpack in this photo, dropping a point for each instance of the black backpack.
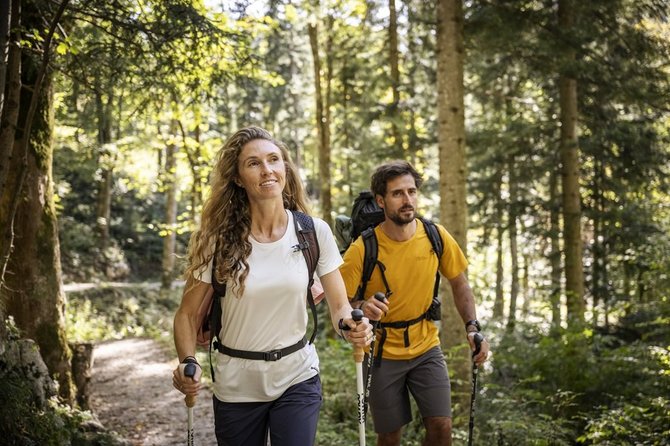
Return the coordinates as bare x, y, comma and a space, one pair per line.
309, 245
365, 213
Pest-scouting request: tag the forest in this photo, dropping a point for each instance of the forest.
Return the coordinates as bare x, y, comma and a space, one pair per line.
541, 128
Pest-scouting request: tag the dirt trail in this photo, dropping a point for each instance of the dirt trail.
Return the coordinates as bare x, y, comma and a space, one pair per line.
132, 394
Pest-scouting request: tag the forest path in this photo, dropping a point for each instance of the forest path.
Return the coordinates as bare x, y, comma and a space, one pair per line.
132, 394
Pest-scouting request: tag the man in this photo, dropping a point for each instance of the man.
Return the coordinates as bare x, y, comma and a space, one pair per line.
411, 356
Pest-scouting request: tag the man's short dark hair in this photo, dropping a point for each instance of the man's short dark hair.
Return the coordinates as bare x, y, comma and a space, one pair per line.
390, 170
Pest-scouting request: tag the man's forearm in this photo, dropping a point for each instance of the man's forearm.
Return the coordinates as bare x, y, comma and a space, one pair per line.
464, 298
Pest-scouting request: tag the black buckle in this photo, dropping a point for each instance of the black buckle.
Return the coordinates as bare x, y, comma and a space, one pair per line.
272, 355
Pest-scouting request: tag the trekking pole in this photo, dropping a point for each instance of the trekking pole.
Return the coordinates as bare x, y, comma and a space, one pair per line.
478, 338
380, 297
357, 316
189, 370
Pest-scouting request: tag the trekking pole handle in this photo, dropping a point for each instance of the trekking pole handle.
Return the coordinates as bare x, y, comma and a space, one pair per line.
357, 316
189, 371
478, 338
380, 296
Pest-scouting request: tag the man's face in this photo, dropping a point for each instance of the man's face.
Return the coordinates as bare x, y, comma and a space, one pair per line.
399, 203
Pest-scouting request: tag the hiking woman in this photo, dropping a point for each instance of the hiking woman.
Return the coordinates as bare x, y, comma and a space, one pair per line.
248, 216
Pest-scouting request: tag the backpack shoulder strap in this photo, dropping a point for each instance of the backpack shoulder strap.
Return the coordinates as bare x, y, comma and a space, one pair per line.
371, 251
438, 248
309, 245
433, 236
370, 261
216, 312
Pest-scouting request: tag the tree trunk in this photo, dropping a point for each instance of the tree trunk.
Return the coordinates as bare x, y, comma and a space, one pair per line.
170, 187
597, 245
525, 287
5, 19
106, 175
499, 303
451, 144
194, 157
574, 274
412, 49
555, 252
513, 247
323, 129
394, 109
325, 165
33, 293
11, 88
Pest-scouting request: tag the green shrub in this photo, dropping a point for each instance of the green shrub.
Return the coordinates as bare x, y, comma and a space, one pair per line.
644, 423
109, 312
555, 389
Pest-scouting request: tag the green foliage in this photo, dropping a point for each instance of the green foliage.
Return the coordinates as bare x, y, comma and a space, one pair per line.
645, 423
23, 424
25, 420
551, 389
338, 422
108, 312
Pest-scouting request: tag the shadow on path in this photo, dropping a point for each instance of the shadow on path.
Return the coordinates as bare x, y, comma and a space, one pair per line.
132, 394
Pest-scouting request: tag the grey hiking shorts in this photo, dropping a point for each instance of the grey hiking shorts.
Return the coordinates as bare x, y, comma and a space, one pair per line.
425, 377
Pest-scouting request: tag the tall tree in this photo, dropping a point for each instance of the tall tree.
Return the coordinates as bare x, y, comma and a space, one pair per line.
513, 241
554, 251
11, 89
169, 175
499, 302
394, 64
322, 123
5, 19
452, 161
31, 287
104, 106
569, 150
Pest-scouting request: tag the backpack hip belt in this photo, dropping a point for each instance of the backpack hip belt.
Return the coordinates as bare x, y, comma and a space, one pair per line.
272, 355
397, 324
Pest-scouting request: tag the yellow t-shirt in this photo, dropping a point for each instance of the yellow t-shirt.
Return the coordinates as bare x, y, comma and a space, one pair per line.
410, 273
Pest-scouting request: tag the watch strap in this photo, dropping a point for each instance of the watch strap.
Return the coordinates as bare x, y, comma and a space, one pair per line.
475, 323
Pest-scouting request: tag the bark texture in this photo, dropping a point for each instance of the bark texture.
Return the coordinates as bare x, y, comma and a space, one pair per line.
33, 290
453, 171
572, 213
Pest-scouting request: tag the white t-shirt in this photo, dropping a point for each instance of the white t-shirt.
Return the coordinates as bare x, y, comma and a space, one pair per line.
272, 314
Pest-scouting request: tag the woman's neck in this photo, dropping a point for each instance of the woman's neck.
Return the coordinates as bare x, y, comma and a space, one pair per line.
268, 222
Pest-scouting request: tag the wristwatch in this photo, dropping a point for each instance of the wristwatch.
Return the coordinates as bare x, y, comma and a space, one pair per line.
475, 323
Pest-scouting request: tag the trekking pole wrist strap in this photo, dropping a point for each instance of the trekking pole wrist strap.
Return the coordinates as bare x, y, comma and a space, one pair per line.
190, 360
473, 323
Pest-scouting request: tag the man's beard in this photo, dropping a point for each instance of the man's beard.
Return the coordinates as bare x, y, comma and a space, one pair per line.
401, 220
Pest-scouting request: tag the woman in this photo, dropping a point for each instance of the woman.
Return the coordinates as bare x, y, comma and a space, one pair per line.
255, 186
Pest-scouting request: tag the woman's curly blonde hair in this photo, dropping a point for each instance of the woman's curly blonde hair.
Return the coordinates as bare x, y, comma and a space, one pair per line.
226, 219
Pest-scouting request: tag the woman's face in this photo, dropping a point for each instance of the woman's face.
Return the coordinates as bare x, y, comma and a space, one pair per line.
262, 170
